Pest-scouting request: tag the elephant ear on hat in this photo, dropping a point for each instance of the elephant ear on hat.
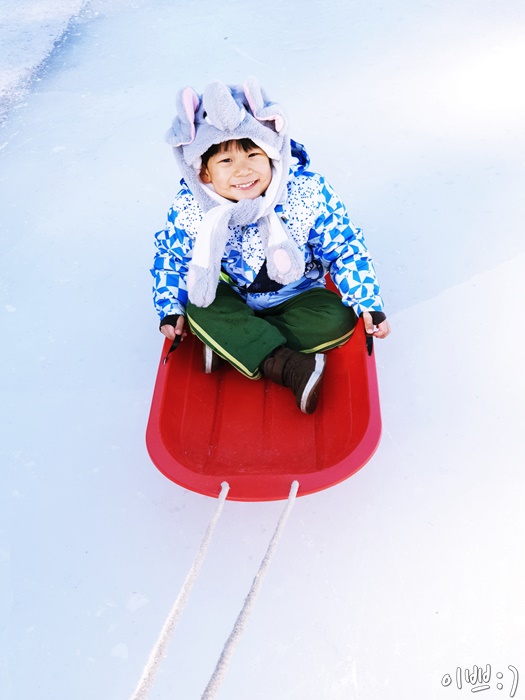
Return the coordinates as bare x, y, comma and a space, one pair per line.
182, 130
261, 108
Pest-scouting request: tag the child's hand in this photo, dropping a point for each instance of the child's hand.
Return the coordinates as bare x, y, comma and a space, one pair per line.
381, 331
171, 331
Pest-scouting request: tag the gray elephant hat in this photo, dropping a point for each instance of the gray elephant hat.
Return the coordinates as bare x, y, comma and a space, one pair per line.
224, 113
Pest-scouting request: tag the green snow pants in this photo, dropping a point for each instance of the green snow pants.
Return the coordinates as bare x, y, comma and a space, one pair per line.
313, 321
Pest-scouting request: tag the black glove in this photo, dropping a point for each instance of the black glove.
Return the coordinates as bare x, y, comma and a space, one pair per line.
377, 317
171, 320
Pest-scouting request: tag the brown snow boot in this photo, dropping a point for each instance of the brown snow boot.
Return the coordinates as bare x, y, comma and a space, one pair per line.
302, 373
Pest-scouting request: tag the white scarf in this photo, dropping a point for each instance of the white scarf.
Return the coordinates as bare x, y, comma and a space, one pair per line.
284, 260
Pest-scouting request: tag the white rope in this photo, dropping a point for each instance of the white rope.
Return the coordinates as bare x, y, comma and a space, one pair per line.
159, 650
220, 669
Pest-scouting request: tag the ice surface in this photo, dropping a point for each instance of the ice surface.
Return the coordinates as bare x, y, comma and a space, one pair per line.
29, 31
381, 585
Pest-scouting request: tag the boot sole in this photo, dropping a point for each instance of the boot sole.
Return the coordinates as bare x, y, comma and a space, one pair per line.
210, 360
310, 395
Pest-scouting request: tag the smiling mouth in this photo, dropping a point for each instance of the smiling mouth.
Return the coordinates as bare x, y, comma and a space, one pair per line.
245, 185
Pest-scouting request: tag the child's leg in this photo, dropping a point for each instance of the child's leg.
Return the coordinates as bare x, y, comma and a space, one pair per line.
234, 332
313, 321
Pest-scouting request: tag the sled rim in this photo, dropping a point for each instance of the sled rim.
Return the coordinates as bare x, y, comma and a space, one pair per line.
267, 486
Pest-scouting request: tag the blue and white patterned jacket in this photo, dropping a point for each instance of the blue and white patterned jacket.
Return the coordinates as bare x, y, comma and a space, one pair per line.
316, 219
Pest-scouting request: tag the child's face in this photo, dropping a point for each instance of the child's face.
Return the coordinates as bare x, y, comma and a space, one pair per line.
236, 174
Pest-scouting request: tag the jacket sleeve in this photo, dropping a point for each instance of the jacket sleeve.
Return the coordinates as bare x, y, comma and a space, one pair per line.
170, 267
341, 248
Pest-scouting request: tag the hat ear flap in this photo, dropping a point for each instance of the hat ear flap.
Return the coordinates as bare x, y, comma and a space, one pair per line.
261, 108
182, 130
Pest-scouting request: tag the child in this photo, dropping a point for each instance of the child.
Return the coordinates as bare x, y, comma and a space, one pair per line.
248, 242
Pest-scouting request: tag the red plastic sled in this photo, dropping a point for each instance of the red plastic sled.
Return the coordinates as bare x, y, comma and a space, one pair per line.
204, 429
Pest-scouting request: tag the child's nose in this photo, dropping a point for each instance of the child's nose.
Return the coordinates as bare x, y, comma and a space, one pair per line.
244, 166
